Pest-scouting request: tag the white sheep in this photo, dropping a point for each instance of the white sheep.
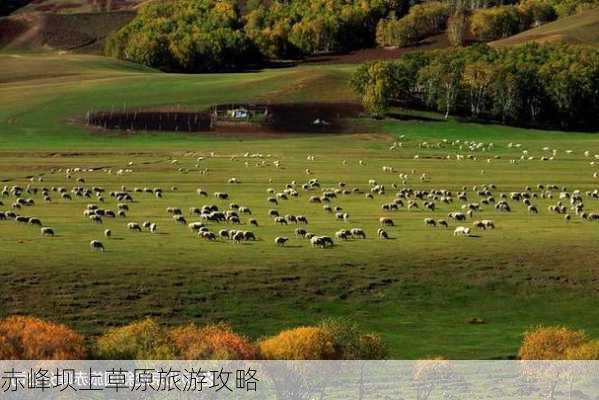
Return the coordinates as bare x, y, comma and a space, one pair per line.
461, 231
47, 231
281, 240
96, 245
134, 226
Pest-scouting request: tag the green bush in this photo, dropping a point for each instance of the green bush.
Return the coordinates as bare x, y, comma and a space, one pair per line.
186, 35
536, 12
495, 23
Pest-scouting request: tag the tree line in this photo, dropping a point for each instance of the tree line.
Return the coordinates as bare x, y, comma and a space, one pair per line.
529, 85
481, 21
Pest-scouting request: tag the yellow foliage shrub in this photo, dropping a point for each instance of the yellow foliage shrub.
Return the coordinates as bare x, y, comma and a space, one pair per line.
212, 342
549, 343
332, 340
586, 351
303, 343
27, 338
142, 340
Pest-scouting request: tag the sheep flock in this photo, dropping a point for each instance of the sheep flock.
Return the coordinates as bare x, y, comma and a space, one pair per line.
204, 195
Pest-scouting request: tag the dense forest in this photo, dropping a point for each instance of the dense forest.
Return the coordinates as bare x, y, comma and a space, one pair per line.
208, 35
532, 85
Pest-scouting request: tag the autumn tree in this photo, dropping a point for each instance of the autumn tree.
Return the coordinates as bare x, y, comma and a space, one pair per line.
28, 338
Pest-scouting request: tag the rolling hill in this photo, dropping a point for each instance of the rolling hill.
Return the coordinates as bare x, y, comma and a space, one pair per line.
77, 6
84, 32
577, 29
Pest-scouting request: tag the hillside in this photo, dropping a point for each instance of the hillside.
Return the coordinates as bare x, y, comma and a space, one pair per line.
78, 6
82, 32
577, 29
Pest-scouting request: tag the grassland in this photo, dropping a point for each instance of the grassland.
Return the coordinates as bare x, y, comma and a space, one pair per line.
419, 290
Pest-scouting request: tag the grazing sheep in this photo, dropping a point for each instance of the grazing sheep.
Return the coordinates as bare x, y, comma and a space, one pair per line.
382, 234
195, 211
247, 235
273, 213
442, 222
96, 219
107, 233
280, 220
35, 221
245, 210
300, 232
221, 195
503, 206
210, 236
479, 225
533, 209
238, 237
21, 219
96, 245
430, 222
180, 219
234, 219
301, 219
195, 226
461, 231
153, 228
253, 221
343, 234
321, 241
458, 216
134, 226
385, 221
47, 231
358, 232
224, 234
281, 240
488, 223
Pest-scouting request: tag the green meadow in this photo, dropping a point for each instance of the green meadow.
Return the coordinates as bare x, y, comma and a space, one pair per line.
424, 291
